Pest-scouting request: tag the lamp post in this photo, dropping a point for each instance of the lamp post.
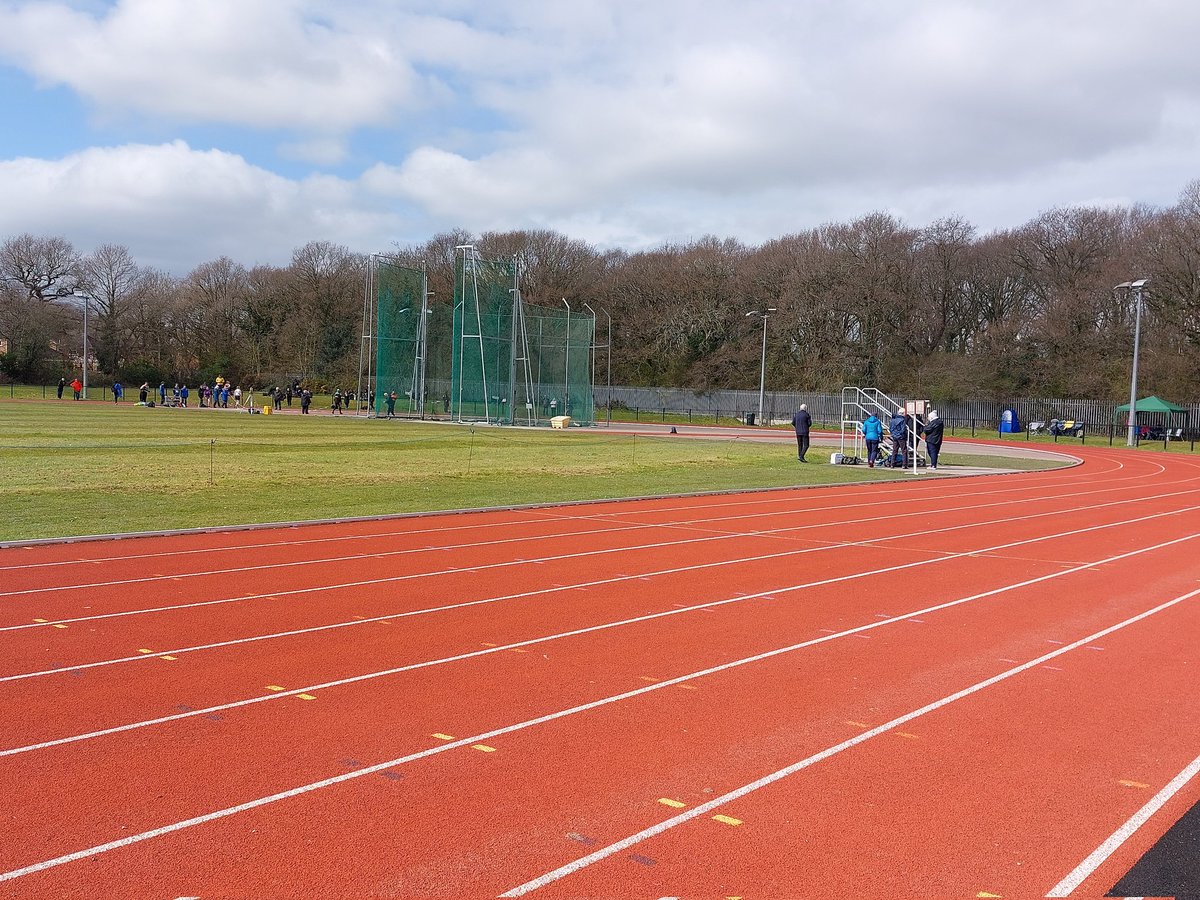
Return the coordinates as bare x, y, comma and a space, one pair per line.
762, 372
1136, 288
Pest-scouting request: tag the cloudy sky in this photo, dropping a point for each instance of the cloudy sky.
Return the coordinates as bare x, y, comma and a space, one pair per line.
248, 127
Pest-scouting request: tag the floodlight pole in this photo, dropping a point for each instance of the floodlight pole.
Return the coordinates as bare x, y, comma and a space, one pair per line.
567, 363
762, 372
1135, 288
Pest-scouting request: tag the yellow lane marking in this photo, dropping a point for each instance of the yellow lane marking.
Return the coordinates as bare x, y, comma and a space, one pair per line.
649, 679
167, 658
275, 687
483, 748
986, 894
856, 724
58, 626
689, 687
305, 697
144, 650
1133, 784
444, 737
674, 804
43, 621
727, 820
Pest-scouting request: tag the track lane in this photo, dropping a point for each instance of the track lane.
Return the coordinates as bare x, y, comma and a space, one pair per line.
592, 666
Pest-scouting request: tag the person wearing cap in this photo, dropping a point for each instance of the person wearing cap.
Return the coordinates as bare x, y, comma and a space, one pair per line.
802, 422
933, 431
898, 429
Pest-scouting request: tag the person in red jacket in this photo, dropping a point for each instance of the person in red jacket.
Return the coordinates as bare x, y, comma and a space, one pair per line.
77, 387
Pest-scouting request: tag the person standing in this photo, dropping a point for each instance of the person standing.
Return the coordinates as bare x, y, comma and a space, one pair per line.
305, 400
162, 393
144, 393
391, 405
934, 431
237, 397
337, 402
62, 386
183, 395
118, 392
77, 388
802, 422
898, 428
872, 430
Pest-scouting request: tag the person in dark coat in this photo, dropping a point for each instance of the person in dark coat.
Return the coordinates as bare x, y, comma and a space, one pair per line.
305, 400
898, 429
62, 386
802, 422
933, 431
391, 405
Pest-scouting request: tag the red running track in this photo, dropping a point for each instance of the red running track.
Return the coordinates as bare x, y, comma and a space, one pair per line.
938, 687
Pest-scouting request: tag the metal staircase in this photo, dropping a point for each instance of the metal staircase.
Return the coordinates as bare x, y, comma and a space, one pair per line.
857, 404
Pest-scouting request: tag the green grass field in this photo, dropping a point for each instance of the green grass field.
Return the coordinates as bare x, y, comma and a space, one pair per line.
92, 468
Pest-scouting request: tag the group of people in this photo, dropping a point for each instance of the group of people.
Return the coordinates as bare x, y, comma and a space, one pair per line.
900, 427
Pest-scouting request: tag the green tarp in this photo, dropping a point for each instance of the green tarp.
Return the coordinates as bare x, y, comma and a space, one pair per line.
1153, 405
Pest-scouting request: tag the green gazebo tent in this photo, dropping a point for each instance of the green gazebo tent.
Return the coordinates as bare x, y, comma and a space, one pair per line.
1158, 407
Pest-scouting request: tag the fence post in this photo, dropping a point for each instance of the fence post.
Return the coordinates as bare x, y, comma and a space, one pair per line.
1110, 433
972, 428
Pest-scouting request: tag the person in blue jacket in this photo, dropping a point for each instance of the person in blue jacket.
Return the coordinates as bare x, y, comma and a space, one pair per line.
898, 428
872, 430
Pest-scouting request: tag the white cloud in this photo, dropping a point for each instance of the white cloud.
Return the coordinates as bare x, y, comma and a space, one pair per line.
621, 123
176, 207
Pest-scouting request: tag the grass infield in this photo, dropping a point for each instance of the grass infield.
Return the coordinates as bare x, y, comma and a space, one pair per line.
91, 468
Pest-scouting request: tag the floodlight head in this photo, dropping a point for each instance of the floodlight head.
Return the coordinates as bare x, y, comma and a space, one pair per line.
770, 309
1141, 282
751, 313
1123, 285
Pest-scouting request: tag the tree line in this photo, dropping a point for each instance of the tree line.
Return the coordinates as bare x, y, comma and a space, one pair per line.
940, 310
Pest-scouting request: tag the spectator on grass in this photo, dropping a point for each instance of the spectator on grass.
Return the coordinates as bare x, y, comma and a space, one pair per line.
802, 422
872, 430
183, 394
898, 428
278, 394
305, 401
289, 395
237, 397
391, 405
144, 393
62, 386
337, 402
162, 393
933, 432
77, 388
118, 392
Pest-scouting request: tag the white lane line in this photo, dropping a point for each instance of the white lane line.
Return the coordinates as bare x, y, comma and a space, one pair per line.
129, 840
787, 553
909, 495
829, 636
705, 808
1084, 870
620, 528
653, 546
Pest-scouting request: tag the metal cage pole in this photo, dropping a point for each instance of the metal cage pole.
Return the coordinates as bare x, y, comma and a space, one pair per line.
567, 364
364, 343
592, 359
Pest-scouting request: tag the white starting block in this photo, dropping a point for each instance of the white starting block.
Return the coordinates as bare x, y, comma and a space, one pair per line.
560, 422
